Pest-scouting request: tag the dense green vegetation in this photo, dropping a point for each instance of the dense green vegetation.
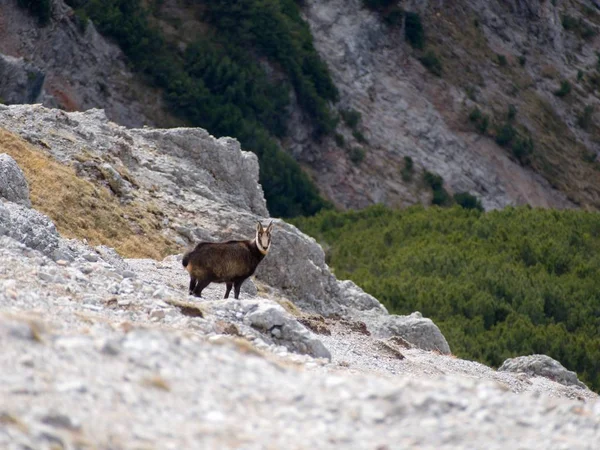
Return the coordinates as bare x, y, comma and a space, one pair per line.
217, 83
498, 284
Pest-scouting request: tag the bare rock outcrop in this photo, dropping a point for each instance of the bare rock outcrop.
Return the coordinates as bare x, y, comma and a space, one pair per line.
206, 188
406, 113
20, 82
542, 366
73, 67
13, 185
29, 227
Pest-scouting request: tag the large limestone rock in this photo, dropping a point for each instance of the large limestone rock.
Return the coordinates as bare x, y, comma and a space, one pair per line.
29, 227
20, 82
542, 366
207, 189
13, 185
286, 330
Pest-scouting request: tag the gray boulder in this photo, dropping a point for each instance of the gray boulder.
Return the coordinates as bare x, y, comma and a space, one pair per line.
296, 265
284, 329
219, 170
117, 183
354, 297
13, 185
20, 82
29, 227
416, 329
542, 366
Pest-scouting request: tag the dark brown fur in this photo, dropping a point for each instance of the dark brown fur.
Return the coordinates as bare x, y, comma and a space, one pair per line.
221, 262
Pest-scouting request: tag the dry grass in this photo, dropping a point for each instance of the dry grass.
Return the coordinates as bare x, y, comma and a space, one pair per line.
157, 382
80, 209
289, 306
14, 421
240, 344
187, 308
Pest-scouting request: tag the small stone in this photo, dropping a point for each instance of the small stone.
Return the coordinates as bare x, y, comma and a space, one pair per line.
59, 420
157, 314
44, 276
26, 361
72, 386
62, 262
128, 274
110, 347
276, 333
90, 257
161, 293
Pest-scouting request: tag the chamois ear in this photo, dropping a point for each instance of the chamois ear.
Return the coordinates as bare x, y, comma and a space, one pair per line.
270, 227
259, 227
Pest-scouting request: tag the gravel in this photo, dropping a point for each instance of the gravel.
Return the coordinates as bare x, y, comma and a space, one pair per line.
85, 366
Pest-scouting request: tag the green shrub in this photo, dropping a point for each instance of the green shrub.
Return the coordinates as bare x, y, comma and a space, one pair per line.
480, 120
413, 30
498, 284
569, 23
356, 155
505, 134
578, 26
408, 169
339, 140
522, 60
584, 120
389, 10
522, 148
441, 197
467, 201
378, 4
512, 113
350, 117
565, 89
393, 16
41, 9
359, 136
502, 61
432, 63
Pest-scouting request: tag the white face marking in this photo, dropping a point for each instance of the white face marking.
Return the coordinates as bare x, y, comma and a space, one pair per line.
263, 237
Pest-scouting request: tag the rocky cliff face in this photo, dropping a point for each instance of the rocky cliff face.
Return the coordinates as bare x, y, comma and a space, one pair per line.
406, 111
67, 64
112, 353
493, 54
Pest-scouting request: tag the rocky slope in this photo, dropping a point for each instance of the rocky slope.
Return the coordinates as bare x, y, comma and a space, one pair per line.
406, 111
104, 352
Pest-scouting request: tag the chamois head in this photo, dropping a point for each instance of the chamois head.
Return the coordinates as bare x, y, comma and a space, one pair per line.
263, 237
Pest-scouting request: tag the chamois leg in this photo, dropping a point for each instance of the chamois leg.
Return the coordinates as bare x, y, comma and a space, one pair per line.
229, 285
199, 286
193, 282
236, 288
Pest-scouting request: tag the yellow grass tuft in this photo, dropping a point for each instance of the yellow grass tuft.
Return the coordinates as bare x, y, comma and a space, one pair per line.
14, 421
187, 308
80, 209
157, 382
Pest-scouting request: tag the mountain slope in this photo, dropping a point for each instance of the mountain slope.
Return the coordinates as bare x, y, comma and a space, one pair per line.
113, 353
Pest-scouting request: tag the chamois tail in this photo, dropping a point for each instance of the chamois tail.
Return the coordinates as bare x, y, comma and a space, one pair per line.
186, 259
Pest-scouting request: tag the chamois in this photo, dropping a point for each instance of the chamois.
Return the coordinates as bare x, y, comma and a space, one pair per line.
228, 262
